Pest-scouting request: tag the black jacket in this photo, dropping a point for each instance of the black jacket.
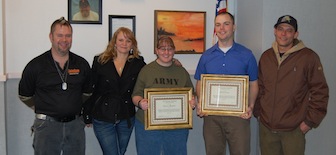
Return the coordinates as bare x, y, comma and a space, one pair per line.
111, 99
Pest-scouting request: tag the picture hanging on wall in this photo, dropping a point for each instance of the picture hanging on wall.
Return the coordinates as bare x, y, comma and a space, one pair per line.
85, 11
116, 21
186, 28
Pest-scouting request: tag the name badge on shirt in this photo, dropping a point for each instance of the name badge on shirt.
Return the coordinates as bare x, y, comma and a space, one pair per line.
73, 71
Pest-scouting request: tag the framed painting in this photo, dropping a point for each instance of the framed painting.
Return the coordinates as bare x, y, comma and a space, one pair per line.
85, 11
186, 28
116, 21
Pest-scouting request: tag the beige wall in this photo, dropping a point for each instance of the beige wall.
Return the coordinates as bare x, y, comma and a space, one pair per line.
28, 25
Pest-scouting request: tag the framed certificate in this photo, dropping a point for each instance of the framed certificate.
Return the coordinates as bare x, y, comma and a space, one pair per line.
225, 95
117, 21
168, 108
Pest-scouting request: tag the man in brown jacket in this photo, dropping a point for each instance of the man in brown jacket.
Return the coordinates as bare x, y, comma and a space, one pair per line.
293, 93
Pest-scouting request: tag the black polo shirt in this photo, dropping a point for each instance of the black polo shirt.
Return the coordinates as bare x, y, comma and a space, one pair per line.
41, 81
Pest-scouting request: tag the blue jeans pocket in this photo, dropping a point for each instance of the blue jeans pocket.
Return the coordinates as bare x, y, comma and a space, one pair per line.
39, 125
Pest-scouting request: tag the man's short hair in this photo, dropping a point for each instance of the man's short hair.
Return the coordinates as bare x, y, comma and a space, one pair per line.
61, 21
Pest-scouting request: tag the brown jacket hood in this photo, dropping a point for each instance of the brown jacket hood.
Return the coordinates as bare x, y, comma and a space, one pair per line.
298, 45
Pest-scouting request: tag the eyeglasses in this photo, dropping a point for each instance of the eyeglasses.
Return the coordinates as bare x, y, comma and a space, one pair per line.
169, 49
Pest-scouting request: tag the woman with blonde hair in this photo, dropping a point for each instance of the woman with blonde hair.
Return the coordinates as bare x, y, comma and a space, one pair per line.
110, 109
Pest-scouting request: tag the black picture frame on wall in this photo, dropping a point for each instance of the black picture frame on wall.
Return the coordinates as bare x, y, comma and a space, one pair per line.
116, 21
92, 8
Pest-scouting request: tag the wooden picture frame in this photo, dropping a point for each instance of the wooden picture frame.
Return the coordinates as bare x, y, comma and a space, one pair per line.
85, 11
186, 28
225, 95
117, 21
168, 108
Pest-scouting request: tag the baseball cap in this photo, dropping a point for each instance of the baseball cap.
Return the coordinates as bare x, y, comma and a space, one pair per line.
287, 19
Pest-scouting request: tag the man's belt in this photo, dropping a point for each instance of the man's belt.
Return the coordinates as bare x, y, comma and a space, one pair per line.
57, 119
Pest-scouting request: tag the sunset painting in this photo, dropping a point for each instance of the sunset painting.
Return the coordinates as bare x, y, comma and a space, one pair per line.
186, 28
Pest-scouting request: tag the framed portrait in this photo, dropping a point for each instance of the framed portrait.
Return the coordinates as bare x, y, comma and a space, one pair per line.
85, 11
116, 21
186, 28
168, 108
225, 95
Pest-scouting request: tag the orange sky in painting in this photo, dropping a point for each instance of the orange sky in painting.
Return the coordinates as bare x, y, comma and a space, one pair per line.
182, 23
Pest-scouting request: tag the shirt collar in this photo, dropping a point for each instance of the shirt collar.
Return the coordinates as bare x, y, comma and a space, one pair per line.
216, 48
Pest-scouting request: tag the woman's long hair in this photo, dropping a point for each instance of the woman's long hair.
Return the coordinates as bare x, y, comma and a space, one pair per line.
110, 52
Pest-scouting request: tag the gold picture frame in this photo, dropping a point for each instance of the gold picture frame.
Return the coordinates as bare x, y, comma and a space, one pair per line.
168, 108
224, 95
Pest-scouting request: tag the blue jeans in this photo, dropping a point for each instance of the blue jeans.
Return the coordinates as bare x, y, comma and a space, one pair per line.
52, 138
157, 142
113, 138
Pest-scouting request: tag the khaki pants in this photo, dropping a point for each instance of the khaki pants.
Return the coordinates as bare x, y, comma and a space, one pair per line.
217, 130
281, 143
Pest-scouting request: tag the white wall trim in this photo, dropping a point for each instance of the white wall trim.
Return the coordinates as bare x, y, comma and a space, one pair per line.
18, 75
3, 78
13, 75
